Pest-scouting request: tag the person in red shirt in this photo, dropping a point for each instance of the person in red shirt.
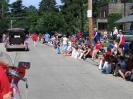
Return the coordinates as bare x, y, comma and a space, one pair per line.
5, 91
97, 47
79, 34
34, 38
74, 39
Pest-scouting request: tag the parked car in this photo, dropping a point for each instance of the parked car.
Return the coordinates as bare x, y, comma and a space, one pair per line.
85, 34
128, 34
16, 37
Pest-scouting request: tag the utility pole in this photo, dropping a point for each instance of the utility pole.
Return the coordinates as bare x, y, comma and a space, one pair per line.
2, 11
89, 15
11, 23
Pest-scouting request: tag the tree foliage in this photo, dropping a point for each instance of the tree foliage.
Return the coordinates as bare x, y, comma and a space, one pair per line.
112, 18
17, 6
67, 18
47, 6
3, 20
73, 13
49, 22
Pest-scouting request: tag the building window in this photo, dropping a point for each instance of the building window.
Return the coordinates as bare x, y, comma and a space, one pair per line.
100, 14
105, 14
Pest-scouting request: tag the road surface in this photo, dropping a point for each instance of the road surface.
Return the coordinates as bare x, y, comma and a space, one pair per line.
53, 76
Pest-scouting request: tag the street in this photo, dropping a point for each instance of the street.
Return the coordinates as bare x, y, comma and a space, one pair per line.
53, 76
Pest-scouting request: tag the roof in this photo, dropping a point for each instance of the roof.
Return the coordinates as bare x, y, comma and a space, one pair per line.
131, 7
16, 29
126, 19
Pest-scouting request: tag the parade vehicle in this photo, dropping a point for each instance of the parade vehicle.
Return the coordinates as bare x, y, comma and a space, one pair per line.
16, 38
15, 73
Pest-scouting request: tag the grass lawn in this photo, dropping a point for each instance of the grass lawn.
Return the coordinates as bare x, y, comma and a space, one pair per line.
108, 43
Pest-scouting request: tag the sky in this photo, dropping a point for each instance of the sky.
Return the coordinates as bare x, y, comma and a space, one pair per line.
33, 2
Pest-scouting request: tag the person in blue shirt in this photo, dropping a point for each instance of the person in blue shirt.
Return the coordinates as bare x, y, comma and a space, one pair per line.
46, 36
95, 36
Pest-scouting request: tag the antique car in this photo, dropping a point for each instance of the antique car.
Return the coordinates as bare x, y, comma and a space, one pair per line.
15, 40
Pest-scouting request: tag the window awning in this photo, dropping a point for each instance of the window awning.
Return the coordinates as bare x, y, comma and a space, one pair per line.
126, 19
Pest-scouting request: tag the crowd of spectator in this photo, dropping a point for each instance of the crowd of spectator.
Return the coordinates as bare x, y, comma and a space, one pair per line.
116, 59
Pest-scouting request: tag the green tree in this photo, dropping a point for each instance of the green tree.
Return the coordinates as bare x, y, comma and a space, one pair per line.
17, 7
3, 19
32, 19
31, 9
49, 22
73, 13
19, 14
112, 18
48, 6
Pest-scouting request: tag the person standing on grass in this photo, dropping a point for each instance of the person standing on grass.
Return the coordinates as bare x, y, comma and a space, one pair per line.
115, 33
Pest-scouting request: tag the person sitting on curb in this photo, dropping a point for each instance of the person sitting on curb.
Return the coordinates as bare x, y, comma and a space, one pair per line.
87, 53
120, 67
107, 65
129, 68
108, 52
97, 48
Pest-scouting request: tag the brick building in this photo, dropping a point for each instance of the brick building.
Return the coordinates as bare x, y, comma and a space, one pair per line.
113, 7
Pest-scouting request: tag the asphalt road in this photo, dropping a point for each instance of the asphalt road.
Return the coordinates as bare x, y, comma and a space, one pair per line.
53, 76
